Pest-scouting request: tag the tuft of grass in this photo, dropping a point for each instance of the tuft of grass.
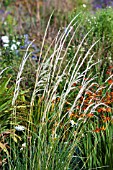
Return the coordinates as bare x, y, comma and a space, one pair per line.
59, 124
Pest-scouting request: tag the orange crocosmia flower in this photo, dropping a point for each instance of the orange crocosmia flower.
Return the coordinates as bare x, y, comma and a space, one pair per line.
53, 101
68, 109
90, 115
77, 107
74, 84
108, 97
108, 109
58, 99
104, 109
94, 94
67, 103
88, 93
80, 87
102, 116
106, 119
108, 72
71, 115
91, 97
82, 115
110, 81
97, 130
99, 110
111, 93
110, 67
81, 98
84, 108
103, 128
108, 102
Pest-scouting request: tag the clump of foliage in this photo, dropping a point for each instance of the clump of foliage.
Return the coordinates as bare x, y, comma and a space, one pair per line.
100, 25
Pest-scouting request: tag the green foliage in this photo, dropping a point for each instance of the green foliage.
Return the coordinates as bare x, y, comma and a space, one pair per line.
100, 25
7, 2
5, 103
56, 100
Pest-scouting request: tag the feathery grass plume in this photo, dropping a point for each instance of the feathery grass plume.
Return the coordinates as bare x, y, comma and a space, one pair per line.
47, 72
19, 78
56, 50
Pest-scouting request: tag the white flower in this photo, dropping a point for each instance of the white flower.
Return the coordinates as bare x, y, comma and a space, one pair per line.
24, 145
72, 123
19, 128
93, 17
13, 47
84, 5
5, 39
5, 23
18, 43
13, 41
5, 45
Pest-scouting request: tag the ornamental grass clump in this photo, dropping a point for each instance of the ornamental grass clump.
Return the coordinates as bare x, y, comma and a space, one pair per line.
59, 123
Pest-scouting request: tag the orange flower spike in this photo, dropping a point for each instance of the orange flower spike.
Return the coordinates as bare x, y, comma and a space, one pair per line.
110, 81
80, 87
108, 72
111, 93
103, 128
74, 84
88, 93
53, 101
68, 109
94, 94
81, 98
106, 119
71, 115
110, 67
77, 107
67, 103
97, 130
104, 109
108, 96
99, 93
82, 115
84, 108
102, 116
90, 115
58, 99
99, 110
108, 109
108, 102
